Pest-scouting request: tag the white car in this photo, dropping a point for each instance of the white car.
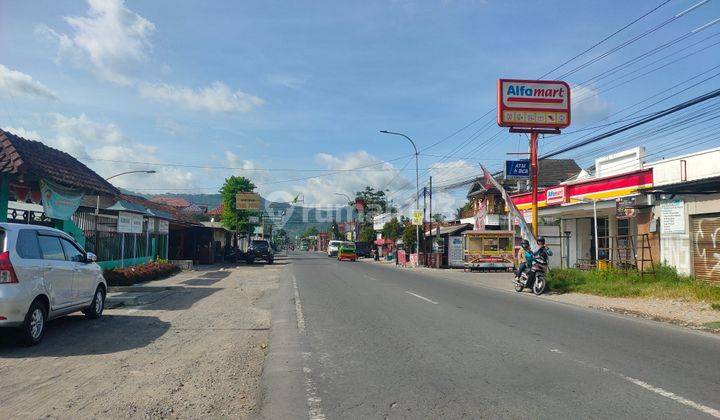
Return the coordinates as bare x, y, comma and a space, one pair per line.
333, 247
45, 274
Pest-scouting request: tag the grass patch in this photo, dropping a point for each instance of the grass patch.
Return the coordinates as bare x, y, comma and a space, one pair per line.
715, 306
667, 283
713, 325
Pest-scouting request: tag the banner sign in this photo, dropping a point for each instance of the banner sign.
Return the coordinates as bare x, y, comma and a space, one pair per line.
525, 231
455, 251
624, 207
129, 222
517, 169
417, 217
253, 219
59, 202
247, 201
555, 195
533, 103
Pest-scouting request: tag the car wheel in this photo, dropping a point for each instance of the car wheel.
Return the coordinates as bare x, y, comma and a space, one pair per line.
95, 310
33, 327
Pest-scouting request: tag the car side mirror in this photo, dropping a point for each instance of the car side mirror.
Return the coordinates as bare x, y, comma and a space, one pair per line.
90, 257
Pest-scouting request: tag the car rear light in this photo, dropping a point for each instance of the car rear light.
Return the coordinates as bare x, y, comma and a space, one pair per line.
7, 272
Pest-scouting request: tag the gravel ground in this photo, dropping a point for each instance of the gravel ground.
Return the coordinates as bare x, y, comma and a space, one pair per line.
197, 353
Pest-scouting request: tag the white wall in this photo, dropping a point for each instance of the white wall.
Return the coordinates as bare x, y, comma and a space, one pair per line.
705, 164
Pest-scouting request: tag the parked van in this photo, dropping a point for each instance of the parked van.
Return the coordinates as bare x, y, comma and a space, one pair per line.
45, 274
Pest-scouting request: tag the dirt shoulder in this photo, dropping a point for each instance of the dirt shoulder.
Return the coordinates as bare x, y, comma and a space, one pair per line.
686, 313
198, 352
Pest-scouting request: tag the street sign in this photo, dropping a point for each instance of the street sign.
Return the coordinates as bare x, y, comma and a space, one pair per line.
247, 201
253, 219
517, 169
533, 103
417, 217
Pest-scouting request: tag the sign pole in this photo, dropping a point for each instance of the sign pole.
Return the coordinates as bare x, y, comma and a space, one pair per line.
534, 177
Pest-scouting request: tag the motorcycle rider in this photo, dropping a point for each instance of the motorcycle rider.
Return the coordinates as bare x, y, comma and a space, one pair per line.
528, 255
544, 251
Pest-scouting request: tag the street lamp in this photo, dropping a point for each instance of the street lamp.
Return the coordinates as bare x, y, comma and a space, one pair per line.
97, 202
417, 187
594, 203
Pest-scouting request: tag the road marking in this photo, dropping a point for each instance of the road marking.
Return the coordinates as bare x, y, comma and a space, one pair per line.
421, 297
298, 308
371, 278
660, 391
314, 402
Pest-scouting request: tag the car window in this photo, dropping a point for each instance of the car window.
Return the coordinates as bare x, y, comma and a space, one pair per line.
51, 248
72, 253
27, 245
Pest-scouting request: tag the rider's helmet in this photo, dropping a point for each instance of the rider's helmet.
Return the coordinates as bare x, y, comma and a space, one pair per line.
541, 240
525, 243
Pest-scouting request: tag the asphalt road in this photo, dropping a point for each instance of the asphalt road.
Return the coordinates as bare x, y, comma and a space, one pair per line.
371, 341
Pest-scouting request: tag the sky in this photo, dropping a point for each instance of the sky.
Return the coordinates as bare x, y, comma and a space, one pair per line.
293, 94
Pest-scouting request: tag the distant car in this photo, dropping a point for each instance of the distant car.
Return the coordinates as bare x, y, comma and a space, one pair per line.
346, 251
362, 249
260, 249
332, 249
45, 274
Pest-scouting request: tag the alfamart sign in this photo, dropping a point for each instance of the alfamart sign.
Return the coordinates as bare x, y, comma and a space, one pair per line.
533, 103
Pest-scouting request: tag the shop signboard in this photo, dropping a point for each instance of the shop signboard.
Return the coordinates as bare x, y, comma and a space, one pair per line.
555, 195
517, 169
129, 222
247, 201
417, 217
455, 251
163, 227
672, 217
624, 207
253, 219
533, 103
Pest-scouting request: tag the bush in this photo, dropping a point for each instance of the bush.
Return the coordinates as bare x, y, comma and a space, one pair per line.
666, 283
140, 273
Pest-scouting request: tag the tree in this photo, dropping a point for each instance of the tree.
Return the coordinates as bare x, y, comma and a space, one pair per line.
438, 217
461, 211
335, 231
367, 234
311, 231
233, 219
392, 229
408, 238
375, 202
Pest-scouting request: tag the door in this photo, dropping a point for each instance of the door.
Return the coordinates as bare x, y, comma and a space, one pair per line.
58, 274
84, 289
706, 248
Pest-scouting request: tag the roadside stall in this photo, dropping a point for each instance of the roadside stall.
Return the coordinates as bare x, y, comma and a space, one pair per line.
487, 250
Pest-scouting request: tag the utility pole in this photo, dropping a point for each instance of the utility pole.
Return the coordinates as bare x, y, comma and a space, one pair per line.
534, 177
431, 219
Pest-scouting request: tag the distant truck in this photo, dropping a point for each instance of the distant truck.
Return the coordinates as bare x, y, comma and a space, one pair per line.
363, 249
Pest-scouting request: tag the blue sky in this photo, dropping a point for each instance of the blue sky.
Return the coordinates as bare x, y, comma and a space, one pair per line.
307, 85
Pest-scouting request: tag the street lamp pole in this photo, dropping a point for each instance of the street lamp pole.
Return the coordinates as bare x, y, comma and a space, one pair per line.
353, 214
97, 202
417, 187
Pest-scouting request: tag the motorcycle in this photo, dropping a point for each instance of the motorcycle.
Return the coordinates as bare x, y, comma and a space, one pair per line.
534, 278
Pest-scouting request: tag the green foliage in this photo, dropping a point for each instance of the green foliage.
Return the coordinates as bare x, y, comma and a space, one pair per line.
715, 306
667, 283
140, 273
409, 236
460, 211
367, 234
438, 217
231, 218
311, 231
392, 229
375, 201
335, 231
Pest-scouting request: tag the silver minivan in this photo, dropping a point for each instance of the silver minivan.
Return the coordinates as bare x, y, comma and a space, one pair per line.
45, 274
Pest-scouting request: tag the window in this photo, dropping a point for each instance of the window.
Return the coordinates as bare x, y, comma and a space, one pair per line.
27, 245
51, 248
72, 253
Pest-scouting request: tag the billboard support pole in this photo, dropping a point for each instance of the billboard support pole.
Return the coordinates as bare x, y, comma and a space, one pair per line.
534, 177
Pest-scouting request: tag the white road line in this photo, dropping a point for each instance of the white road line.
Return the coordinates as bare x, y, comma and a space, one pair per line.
371, 278
298, 308
314, 402
662, 392
421, 297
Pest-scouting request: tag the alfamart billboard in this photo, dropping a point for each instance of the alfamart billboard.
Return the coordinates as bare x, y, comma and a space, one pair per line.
533, 103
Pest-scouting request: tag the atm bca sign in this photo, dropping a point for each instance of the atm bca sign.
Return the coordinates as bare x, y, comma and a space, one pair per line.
533, 103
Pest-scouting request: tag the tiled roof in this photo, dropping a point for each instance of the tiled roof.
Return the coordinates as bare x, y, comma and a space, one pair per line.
217, 211
34, 160
554, 171
172, 201
161, 209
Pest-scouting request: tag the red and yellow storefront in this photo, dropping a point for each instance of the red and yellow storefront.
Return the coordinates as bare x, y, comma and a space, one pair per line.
566, 213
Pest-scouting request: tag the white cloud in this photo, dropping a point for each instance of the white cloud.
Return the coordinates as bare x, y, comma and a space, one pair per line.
105, 149
217, 97
171, 126
26, 134
15, 83
110, 39
587, 105
286, 80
